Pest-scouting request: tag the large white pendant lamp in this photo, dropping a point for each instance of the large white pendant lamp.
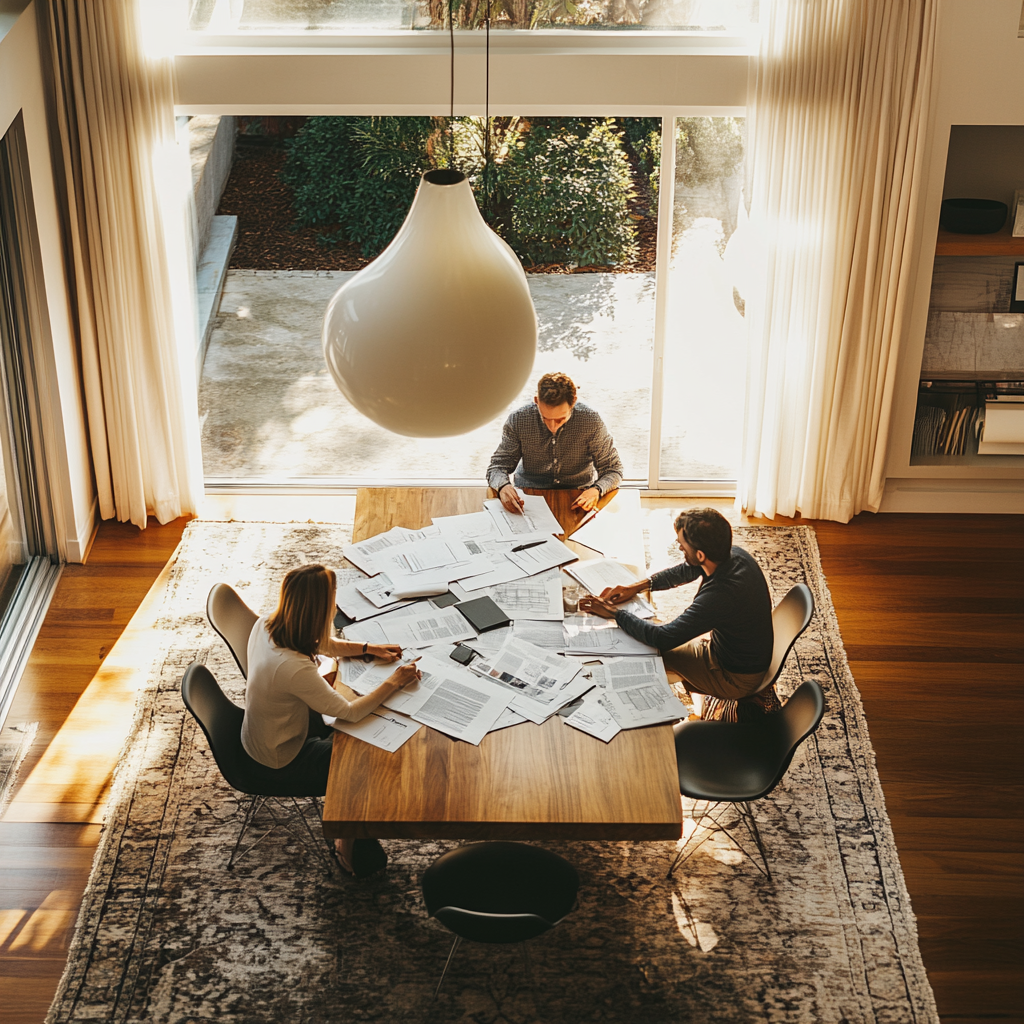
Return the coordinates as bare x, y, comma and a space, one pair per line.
438, 335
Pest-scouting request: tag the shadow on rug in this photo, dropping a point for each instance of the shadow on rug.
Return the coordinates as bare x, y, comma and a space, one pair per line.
167, 934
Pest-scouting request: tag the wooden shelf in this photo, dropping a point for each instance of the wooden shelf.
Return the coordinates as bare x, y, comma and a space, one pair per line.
1001, 243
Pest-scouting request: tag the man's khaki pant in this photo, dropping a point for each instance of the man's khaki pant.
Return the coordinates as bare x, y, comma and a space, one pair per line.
702, 673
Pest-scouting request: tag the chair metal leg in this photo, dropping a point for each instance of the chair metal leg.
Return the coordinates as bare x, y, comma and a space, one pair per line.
255, 803
451, 953
312, 838
746, 817
686, 851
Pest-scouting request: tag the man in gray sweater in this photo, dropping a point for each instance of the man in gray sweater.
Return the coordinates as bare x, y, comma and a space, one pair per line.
555, 442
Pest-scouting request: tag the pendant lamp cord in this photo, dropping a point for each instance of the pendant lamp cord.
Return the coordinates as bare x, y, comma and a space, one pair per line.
487, 113
451, 114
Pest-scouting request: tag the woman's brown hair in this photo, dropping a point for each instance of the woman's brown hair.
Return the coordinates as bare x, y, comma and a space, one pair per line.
300, 620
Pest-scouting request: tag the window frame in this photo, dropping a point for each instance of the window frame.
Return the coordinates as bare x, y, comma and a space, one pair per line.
407, 73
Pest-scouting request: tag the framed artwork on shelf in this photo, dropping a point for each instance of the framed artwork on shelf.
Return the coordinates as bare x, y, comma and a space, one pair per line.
1017, 289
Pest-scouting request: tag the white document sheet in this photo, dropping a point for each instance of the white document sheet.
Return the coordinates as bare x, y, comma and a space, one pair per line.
539, 712
536, 517
377, 590
622, 673
527, 669
533, 597
458, 703
362, 554
471, 526
382, 729
356, 606
542, 633
597, 574
594, 718
491, 641
365, 675
508, 717
647, 704
590, 634
501, 571
422, 625
548, 554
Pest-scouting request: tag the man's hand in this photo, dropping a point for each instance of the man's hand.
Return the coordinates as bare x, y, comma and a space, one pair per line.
510, 499
622, 594
385, 652
588, 499
598, 606
403, 676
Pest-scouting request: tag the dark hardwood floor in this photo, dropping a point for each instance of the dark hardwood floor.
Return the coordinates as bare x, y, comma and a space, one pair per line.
931, 610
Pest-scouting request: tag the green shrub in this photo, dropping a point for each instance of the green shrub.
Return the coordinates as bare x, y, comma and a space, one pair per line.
558, 190
567, 189
359, 174
707, 149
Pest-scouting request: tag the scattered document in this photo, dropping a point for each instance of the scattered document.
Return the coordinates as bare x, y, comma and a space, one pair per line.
535, 517
541, 633
382, 729
539, 712
533, 597
421, 625
377, 590
361, 555
472, 526
594, 718
622, 673
598, 574
364, 675
527, 669
646, 704
590, 634
540, 555
459, 704
356, 606
508, 717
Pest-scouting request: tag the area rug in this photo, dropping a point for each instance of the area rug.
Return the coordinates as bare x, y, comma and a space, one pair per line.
167, 934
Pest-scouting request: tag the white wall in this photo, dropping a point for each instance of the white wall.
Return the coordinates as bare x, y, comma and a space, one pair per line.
979, 80
21, 89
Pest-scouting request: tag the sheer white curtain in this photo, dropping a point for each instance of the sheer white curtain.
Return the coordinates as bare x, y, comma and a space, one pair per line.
839, 115
127, 193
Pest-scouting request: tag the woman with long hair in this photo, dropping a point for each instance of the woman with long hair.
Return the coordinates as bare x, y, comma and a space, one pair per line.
285, 696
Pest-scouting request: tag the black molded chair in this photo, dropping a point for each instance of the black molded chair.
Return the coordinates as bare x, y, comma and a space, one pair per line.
221, 720
498, 892
790, 617
233, 620
737, 762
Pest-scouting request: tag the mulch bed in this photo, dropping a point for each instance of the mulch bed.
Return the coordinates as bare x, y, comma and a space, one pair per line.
269, 240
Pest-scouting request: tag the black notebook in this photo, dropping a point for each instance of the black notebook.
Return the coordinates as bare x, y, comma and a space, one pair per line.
483, 614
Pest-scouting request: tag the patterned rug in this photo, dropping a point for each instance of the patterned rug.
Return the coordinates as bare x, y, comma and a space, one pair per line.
167, 934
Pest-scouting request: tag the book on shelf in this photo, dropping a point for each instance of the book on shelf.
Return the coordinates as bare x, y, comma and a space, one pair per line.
1017, 213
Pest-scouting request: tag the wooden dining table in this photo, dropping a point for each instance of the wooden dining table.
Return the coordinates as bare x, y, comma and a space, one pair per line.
528, 781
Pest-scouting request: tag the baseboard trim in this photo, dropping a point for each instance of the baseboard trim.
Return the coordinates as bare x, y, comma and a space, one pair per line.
987, 497
80, 546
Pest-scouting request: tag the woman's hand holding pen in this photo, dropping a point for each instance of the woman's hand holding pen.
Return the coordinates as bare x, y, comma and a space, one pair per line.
404, 675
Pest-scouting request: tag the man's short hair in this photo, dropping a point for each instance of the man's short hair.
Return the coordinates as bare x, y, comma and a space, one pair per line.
707, 530
556, 388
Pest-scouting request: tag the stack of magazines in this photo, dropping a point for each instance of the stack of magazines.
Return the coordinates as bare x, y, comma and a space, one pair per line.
949, 427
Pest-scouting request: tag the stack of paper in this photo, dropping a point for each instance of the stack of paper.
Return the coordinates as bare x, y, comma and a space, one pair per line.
590, 634
420, 625
598, 574
532, 597
535, 518
636, 693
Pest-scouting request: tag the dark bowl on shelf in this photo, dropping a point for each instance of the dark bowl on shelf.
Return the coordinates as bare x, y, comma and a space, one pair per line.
973, 216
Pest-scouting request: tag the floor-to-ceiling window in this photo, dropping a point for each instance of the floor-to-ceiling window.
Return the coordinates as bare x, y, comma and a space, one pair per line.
270, 412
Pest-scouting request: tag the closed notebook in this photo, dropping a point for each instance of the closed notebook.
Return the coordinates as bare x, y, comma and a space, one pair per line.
483, 614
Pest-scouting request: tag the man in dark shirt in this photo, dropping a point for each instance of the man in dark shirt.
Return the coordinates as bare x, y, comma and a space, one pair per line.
555, 441
733, 603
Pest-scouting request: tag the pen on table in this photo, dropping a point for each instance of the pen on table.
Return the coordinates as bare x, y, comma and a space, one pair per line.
532, 544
